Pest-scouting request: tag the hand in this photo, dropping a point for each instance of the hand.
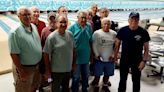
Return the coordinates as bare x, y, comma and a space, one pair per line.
98, 58
111, 58
91, 60
116, 60
141, 65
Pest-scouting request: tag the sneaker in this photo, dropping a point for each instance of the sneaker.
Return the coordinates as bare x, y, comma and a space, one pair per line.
96, 89
105, 88
109, 84
41, 89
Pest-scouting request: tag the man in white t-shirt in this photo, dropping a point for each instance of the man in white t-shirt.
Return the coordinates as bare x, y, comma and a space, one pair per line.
103, 43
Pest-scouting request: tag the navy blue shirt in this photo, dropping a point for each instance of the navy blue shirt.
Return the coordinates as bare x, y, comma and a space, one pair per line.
97, 23
132, 42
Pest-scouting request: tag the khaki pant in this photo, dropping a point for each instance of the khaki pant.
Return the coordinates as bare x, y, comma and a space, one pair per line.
32, 82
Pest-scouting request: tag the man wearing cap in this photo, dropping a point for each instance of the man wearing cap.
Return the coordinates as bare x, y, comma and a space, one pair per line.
50, 28
45, 33
134, 41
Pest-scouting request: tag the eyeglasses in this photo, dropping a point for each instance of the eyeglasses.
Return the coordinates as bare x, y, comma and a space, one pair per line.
84, 17
64, 11
64, 22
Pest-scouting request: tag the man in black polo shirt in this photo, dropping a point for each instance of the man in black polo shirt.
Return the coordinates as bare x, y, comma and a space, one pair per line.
95, 18
103, 12
133, 39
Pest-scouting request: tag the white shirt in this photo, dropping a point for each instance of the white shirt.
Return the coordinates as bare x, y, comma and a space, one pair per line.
103, 44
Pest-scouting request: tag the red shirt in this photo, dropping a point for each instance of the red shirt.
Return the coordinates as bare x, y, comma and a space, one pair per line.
45, 32
40, 26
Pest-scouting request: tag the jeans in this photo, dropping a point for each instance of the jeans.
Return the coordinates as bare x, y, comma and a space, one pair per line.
83, 71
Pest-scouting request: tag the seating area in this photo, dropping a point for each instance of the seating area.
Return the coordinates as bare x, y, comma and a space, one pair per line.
157, 57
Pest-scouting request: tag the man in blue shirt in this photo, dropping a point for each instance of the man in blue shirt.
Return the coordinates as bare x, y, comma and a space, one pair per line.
134, 39
82, 33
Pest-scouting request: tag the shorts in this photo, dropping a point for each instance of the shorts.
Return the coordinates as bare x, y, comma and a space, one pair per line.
104, 67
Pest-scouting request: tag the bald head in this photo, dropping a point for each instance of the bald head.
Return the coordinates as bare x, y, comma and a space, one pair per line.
94, 9
62, 10
104, 12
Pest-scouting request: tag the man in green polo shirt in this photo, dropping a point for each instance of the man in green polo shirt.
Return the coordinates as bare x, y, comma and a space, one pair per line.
26, 52
82, 33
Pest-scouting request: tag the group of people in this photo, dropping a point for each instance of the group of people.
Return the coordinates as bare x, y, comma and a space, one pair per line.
63, 51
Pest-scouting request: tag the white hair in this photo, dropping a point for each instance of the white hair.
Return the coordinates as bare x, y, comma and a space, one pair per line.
34, 7
20, 9
105, 19
61, 15
82, 11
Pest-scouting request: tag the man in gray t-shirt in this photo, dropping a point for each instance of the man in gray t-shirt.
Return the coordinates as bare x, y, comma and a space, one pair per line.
58, 55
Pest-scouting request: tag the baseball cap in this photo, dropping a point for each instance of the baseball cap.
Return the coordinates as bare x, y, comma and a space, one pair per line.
134, 14
51, 14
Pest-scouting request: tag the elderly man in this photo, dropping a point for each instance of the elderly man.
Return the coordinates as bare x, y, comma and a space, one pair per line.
35, 19
82, 33
26, 52
134, 39
103, 43
104, 12
58, 55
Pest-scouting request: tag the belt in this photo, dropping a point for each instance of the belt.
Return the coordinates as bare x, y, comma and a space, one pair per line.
32, 65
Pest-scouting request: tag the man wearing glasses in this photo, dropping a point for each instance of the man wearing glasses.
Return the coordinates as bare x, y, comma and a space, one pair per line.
26, 52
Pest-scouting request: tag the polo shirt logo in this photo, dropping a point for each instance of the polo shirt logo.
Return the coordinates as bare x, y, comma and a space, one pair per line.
97, 20
137, 37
